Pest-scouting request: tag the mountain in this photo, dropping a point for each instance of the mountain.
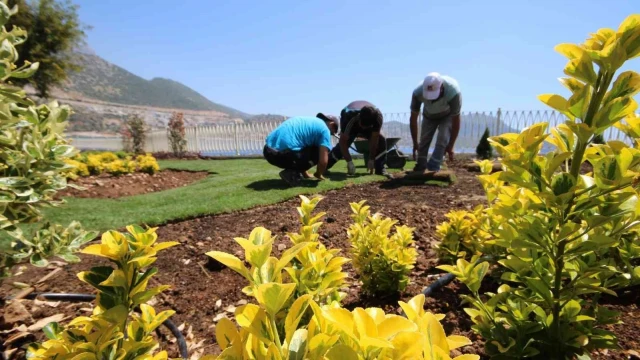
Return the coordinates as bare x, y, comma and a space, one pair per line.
104, 81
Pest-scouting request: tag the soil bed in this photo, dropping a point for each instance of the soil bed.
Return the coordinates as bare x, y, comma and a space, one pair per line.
110, 187
199, 294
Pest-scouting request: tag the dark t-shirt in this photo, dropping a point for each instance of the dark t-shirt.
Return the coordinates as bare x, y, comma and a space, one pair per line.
349, 119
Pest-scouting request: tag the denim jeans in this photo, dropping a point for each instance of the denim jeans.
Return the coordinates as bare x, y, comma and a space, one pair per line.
427, 131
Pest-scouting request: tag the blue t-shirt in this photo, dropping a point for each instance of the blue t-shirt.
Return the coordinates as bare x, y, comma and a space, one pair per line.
298, 133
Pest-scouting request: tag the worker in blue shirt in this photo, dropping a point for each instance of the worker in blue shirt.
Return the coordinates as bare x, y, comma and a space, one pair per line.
300, 143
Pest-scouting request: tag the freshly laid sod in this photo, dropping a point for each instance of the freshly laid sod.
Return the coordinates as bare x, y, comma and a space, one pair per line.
232, 185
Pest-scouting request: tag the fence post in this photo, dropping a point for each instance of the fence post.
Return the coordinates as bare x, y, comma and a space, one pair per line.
498, 118
197, 146
235, 137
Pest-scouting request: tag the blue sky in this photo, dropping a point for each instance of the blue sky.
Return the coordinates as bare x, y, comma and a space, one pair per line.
301, 57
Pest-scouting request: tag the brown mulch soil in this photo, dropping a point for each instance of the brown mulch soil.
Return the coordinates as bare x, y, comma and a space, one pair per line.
197, 284
111, 187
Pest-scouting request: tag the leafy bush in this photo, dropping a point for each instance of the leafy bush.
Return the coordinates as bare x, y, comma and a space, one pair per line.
382, 262
114, 330
147, 164
176, 134
120, 167
94, 164
288, 322
333, 332
568, 238
33, 160
484, 149
315, 270
136, 128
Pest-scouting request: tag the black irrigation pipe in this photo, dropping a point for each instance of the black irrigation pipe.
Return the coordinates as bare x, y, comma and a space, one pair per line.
182, 343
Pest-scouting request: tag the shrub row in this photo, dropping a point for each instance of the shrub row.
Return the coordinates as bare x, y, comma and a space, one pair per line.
96, 163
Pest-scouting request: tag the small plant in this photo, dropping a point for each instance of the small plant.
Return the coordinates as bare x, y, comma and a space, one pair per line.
315, 270
147, 164
137, 129
120, 167
568, 238
383, 262
466, 233
77, 169
122, 323
176, 134
484, 149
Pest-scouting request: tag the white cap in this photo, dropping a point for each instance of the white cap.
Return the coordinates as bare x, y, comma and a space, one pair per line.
431, 86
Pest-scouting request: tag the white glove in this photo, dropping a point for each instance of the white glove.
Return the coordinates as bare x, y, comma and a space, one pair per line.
351, 168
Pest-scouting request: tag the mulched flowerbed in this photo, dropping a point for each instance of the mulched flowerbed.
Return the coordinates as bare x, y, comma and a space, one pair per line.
201, 293
111, 187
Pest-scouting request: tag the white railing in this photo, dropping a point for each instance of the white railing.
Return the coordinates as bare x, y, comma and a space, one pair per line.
248, 138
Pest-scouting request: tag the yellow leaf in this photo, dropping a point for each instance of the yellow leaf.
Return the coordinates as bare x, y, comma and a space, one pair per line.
415, 306
273, 296
117, 278
572, 84
95, 249
295, 314
629, 35
319, 344
273, 353
365, 324
436, 337
571, 51
408, 345
582, 69
254, 319
164, 245
579, 102
226, 333
614, 111
395, 324
432, 352
457, 341
341, 352
230, 261
558, 103
627, 84
298, 345
377, 314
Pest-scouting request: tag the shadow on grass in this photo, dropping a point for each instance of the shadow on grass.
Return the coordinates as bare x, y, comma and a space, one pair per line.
278, 184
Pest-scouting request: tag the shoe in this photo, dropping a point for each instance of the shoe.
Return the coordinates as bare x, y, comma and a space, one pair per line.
419, 168
291, 177
384, 173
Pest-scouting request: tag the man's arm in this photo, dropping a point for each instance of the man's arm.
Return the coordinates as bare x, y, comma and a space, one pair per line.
344, 146
323, 160
413, 124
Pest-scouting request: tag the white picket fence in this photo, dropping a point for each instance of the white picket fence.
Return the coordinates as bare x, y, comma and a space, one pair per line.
249, 138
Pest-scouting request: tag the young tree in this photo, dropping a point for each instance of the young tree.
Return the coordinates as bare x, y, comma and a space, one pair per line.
136, 126
484, 149
54, 31
176, 134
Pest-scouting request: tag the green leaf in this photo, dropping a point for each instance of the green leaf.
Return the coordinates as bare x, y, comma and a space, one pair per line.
541, 288
563, 183
298, 345
38, 261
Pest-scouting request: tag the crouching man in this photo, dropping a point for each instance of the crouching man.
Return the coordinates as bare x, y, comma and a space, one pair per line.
361, 119
298, 144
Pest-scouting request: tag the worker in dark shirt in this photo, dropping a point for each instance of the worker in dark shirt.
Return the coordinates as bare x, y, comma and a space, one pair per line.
361, 119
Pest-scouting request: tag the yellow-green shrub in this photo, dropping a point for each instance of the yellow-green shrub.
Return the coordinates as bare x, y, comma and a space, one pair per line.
315, 270
94, 164
147, 164
77, 169
332, 332
114, 330
119, 167
107, 157
383, 262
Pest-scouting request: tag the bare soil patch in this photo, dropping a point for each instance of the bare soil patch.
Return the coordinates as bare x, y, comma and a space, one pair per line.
110, 187
200, 293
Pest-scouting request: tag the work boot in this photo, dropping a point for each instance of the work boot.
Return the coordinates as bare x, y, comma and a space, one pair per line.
384, 173
291, 177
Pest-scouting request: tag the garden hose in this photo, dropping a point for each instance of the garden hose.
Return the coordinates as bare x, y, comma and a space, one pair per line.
182, 343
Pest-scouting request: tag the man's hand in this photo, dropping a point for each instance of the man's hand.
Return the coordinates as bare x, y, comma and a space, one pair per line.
416, 146
449, 151
371, 166
351, 168
319, 176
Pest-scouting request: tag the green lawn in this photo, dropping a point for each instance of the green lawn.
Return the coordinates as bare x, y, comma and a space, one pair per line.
231, 185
